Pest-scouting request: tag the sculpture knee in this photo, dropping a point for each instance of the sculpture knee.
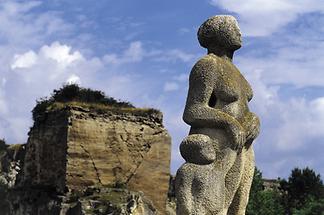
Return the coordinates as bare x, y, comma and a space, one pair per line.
198, 149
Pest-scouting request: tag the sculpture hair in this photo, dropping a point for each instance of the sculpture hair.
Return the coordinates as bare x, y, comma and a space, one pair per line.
216, 31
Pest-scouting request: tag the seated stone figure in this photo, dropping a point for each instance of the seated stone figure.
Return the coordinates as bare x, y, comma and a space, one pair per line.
217, 175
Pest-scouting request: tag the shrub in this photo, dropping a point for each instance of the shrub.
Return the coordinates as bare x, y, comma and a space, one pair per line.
75, 93
3, 145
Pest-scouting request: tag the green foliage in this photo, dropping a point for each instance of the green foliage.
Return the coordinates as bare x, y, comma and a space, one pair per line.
303, 189
311, 207
265, 202
75, 93
257, 183
301, 194
3, 145
269, 203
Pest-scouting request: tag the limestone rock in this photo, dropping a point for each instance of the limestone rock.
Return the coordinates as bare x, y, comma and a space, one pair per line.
98, 201
11, 163
73, 148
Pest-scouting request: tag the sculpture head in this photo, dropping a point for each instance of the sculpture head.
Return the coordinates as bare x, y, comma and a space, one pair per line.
220, 31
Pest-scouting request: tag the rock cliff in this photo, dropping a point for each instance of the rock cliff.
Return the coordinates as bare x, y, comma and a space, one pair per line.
85, 160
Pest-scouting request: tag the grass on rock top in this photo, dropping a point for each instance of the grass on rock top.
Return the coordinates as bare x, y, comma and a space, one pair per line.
74, 95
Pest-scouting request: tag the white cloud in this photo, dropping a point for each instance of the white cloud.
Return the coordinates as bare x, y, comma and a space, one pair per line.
25, 60
73, 79
60, 53
289, 125
301, 122
294, 63
37, 73
54, 62
318, 106
262, 18
134, 53
20, 28
170, 86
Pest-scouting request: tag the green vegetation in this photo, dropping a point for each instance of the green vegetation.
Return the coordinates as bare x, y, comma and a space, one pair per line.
301, 194
261, 201
3, 145
311, 207
302, 191
74, 93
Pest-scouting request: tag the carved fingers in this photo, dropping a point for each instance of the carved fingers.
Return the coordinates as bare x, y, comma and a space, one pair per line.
238, 134
239, 139
253, 128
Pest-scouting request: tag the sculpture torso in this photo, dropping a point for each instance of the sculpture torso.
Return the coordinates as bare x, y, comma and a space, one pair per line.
231, 92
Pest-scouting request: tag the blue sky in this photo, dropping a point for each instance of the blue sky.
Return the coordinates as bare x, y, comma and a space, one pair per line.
143, 51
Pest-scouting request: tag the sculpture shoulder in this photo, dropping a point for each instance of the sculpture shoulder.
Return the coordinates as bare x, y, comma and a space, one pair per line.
208, 62
206, 67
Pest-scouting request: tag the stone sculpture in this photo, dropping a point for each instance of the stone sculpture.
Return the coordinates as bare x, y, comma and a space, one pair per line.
217, 175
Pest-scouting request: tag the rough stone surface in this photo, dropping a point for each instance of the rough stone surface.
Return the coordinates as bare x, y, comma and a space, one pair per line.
99, 201
11, 163
74, 148
218, 172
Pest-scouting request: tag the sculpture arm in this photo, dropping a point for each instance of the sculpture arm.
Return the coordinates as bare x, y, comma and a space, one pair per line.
198, 113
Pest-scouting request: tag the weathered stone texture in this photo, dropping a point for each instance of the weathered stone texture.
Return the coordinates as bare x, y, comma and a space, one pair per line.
119, 150
98, 201
45, 160
74, 148
218, 172
11, 163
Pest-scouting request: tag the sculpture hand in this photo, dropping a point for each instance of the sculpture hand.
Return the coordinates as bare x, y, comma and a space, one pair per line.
253, 128
239, 137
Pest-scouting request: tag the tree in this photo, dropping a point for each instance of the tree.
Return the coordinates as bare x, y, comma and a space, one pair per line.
265, 202
303, 190
311, 207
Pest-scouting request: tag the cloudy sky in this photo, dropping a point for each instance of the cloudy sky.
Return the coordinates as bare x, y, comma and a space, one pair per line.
142, 51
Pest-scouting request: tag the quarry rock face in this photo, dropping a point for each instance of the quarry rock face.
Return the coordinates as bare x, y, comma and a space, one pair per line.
123, 153
11, 163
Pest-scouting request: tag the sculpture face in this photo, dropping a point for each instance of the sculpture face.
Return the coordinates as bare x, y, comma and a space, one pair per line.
220, 31
235, 36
